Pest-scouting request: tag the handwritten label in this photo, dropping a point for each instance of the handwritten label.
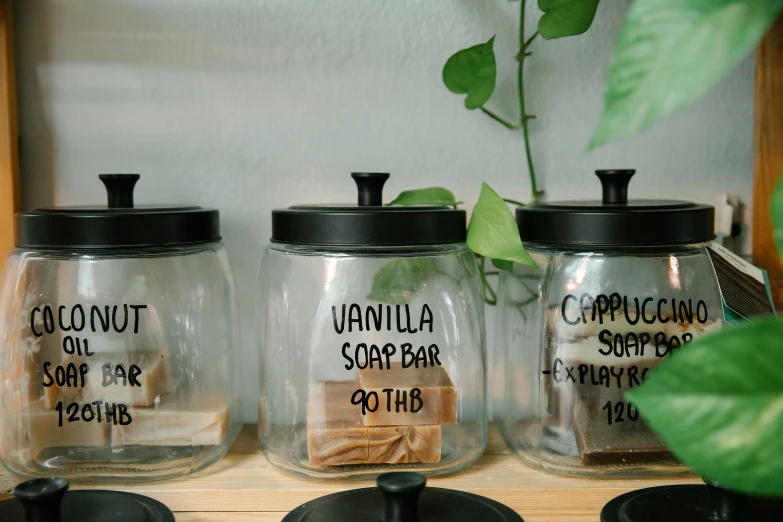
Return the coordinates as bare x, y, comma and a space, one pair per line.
389, 318
628, 328
116, 319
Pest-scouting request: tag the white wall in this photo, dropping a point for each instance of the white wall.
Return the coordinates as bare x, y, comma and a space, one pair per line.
247, 105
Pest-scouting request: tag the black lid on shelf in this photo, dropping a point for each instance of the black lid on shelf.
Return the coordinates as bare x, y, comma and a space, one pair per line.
369, 223
616, 221
120, 224
48, 500
694, 503
402, 497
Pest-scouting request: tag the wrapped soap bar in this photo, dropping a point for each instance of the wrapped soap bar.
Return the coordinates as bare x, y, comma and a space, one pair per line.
409, 396
177, 421
404, 444
336, 435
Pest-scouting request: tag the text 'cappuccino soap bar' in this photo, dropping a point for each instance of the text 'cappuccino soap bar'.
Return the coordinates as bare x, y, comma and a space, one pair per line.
372, 337
118, 335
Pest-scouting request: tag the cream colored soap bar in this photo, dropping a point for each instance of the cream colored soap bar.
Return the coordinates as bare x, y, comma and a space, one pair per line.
336, 435
45, 432
399, 406
185, 421
135, 389
404, 444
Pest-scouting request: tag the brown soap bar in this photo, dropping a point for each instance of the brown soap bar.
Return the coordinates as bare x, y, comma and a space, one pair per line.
136, 389
183, 421
627, 439
336, 435
438, 396
404, 444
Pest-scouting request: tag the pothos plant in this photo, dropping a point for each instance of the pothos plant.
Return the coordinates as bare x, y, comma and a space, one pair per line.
670, 53
492, 232
719, 404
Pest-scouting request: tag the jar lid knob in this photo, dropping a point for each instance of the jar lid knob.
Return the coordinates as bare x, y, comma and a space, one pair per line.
41, 498
119, 188
615, 185
401, 492
370, 186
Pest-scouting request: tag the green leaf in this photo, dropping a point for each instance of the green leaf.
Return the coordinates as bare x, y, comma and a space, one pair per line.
718, 405
503, 265
671, 53
397, 281
566, 17
427, 196
472, 71
776, 209
493, 231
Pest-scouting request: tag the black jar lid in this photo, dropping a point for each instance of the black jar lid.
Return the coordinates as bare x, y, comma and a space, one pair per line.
402, 497
370, 223
616, 221
120, 224
691, 503
48, 500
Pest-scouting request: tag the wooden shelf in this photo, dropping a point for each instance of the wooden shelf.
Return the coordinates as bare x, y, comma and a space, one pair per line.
244, 487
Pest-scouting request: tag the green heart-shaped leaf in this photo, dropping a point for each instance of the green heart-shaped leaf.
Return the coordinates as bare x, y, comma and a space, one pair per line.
428, 196
472, 71
397, 281
503, 265
776, 210
718, 405
493, 232
671, 53
566, 17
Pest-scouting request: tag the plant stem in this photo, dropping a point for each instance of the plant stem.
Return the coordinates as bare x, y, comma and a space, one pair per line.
500, 120
523, 44
493, 299
515, 202
528, 42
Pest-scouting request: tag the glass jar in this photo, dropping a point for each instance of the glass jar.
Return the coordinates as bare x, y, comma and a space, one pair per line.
118, 331
620, 285
372, 338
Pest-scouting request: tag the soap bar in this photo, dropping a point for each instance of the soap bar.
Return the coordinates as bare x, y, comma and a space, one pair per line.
136, 389
398, 406
404, 444
607, 429
55, 394
182, 421
35, 428
338, 444
336, 435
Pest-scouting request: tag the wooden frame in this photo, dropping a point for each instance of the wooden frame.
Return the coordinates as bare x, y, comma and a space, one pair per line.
9, 140
768, 153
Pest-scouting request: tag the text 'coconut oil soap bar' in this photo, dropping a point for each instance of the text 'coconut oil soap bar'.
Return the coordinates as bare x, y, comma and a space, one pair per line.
372, 339
621, 284
118, 330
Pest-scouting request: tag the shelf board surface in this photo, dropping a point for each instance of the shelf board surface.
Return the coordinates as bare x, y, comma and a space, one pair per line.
244, 487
